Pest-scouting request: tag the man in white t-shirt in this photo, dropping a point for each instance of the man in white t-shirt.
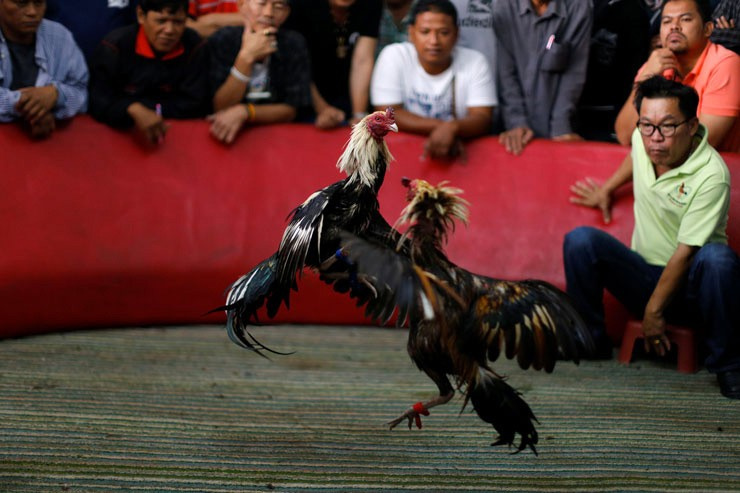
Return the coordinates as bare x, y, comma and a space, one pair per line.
437, 88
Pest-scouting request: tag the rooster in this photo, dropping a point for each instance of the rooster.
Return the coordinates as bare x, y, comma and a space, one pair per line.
460, 321
311, 239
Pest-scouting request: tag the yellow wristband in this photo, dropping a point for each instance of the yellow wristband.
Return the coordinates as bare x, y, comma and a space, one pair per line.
251, 112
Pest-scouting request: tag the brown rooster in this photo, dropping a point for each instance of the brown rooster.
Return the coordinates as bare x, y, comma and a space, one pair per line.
460, 321
311, 239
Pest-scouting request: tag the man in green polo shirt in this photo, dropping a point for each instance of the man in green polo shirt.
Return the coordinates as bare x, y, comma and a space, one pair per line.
680, 268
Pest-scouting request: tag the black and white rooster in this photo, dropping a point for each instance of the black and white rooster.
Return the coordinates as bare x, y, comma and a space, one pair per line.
311, 239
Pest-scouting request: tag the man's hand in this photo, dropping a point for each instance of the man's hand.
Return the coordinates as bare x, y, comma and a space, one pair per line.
225, 124
442, 142
149, 123
329, 117
43, 126
256, 46
588, 193
653, 330
724, 23
660, 60
35, 102
516, 139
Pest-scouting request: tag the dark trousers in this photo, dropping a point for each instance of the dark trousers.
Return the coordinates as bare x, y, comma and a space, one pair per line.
709, 300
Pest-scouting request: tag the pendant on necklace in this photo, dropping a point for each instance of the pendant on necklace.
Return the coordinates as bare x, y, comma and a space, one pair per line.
342, 48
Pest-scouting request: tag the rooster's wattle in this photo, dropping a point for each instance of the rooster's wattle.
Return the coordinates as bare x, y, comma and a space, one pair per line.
460, 322
312, 236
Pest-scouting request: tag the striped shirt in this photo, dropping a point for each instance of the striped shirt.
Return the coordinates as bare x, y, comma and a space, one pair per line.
729, 38
60, 63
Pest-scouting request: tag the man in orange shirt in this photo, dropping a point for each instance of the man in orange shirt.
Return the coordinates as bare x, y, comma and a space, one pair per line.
711, 69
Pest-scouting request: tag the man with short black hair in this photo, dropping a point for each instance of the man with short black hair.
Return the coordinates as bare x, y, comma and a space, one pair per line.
687, 54
142, 74
437, 88
43, 75
680, 268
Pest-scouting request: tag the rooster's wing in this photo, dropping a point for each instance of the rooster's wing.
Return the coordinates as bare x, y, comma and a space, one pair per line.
531, 320
400, 284
305, 228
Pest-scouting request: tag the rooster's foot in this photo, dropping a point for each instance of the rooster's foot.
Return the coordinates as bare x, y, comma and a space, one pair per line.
412, 415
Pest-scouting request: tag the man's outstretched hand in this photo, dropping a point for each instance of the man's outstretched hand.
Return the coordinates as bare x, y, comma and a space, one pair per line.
588, 193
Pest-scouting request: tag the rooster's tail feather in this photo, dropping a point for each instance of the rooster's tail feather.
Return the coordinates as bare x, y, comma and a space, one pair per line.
246, 296
499, 404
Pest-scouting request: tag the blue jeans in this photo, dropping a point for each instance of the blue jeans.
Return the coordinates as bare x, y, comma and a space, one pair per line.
709, 300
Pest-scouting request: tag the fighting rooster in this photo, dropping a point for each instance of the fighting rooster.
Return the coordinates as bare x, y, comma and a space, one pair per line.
312, 236
460, 321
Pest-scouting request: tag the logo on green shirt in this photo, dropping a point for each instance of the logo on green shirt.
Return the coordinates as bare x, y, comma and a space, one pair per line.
680, 195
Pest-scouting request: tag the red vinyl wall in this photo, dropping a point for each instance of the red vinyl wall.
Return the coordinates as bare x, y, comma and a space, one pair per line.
101, 231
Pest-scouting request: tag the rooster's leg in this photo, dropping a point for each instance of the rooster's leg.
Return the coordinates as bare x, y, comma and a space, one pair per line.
446, 392
415, 411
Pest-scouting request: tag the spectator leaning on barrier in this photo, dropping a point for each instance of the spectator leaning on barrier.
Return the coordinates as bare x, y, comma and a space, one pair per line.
680, 268
260, 73
437, 88
43, 76
142, 74
542, 56
686, 53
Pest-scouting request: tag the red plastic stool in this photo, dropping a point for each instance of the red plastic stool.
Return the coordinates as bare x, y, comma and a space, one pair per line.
683, 337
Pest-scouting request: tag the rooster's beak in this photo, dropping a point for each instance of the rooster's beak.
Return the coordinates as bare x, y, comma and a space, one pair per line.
393, 127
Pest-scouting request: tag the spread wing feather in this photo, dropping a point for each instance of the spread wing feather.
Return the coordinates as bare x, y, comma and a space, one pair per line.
304, 229
400, 285
533, 320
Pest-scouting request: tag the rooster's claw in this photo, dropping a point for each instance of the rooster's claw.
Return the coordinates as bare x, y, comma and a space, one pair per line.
412, 415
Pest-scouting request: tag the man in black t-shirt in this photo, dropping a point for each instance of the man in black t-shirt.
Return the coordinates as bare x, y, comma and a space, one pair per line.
341, 36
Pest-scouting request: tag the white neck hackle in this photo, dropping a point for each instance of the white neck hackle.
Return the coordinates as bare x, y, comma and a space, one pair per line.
361, 153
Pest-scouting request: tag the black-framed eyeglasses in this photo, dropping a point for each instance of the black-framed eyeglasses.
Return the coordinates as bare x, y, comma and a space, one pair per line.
664, 129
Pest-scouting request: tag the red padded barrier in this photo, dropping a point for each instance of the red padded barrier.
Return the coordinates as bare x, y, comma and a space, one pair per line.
101, 231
